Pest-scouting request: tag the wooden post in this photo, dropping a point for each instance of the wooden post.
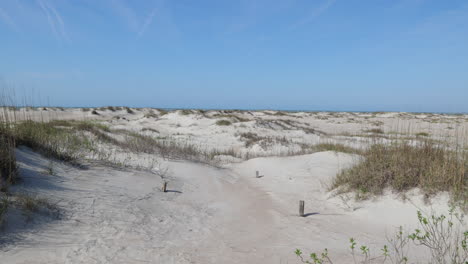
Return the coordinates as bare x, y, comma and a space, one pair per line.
164, 186
257, 174
301, 208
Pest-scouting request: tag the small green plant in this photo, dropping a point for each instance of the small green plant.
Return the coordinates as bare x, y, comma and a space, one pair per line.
223, 123
439, 234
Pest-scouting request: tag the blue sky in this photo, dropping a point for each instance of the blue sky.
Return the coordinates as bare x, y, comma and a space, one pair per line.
363, 55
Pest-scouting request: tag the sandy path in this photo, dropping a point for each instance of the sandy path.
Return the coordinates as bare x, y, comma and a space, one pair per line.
114, 216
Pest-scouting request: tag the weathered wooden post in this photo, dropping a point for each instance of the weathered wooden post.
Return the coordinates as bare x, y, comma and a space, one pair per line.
164, 186
301, 208
257, 174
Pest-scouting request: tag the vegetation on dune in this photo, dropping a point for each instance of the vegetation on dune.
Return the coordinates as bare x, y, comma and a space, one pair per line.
49, 140
3, 206
374, 131
223, 123
185, 112
151, 114
8, 168
162, 112
405, 165
129, 110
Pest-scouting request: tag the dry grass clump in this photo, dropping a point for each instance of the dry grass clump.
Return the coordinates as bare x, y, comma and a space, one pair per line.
405, 165
250, 138
185, 112
151, 114
230, 116
422, 134
223, 122
8, 168
374, 131
162, 112
150, 129
31, 204
129, 110
3, 207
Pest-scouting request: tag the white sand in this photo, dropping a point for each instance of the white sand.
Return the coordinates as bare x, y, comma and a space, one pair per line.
209, 215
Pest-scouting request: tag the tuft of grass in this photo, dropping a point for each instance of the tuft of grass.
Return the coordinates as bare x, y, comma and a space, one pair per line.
250, 138
374, 131
223, 123
129, 110
422, 134
28, 203
162, 112
8, 167
151, 114
150, 129
405, 165
185, 112
3, 207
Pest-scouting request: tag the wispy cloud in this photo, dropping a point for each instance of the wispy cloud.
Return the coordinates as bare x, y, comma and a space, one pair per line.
54, 19
148, 21
127, 13
7, 19
316, 12
136, 22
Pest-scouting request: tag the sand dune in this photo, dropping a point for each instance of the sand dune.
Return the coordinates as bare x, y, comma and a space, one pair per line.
221, 214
